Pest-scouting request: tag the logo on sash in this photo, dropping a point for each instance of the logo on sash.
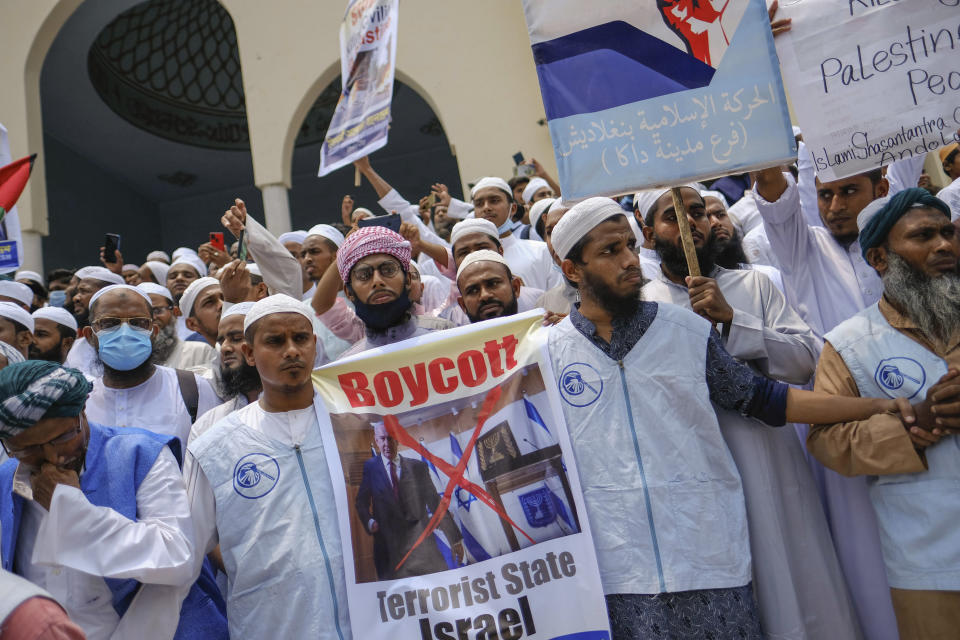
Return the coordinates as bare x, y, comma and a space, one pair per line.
900, 377
580, 384
255, 475
538, 507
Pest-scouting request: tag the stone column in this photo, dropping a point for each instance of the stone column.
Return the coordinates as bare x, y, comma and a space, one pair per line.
276, 208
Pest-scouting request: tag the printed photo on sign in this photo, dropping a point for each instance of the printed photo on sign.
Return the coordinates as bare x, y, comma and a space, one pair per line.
493, 453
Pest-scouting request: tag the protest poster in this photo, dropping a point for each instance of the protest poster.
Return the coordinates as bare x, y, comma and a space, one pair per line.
644, 94
479, 531
368, 53
11, 249
874, 81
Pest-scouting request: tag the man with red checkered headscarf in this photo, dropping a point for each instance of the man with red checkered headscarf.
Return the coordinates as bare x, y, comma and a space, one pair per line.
374, 263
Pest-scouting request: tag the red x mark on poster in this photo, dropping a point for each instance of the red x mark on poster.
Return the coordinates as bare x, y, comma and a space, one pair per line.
455, 474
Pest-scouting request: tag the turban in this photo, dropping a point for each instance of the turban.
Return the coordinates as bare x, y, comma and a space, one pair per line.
16, 290
15, 312
30, 276
499, 183
875, 224
239, 309
11, 353
158, 269
326, 231
192, 291
643, 201
947, 150
33, 390
369, 241
155, 289
116, 287
193, 260
293, 236
277, 303
57, 314
473, 225
532, 187
484, 255
99, 273
158, 256
580, 220
538, 209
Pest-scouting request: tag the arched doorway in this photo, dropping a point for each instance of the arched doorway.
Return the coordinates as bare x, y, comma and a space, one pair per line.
417, 154
145, 130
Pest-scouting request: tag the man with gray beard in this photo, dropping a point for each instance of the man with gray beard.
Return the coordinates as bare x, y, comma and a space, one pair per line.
168, 349
905, 346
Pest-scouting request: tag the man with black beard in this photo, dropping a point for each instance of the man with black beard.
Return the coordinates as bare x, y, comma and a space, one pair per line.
239, 382
54, 330
905, 346
168, 349
640, 382
487, 287
374, 263
86, 282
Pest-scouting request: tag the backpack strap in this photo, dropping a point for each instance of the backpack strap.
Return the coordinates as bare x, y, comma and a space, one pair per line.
189, 392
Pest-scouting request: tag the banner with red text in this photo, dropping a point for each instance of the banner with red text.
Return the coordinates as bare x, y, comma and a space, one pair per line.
461, 509
872, 81
368, 53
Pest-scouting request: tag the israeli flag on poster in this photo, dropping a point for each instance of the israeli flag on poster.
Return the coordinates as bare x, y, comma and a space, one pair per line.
644, 94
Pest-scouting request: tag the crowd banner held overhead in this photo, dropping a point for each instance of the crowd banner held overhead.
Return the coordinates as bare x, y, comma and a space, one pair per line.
461, 509
11, 253
880, 80
368, 53
644, 94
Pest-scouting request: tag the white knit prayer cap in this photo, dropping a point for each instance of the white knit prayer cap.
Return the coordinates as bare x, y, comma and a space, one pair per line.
490, 181
484, 255
538, 209
239, 309
17, 291
32, 276
158, 269
293, 236
328, 232
192, 291
277, 303
156, 289
473, 225
58, 315
581, 220
99, 294
158, 256
99, 273
532, 187
15, 312
193, 260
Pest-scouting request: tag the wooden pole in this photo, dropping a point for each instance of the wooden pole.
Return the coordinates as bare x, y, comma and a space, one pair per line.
689, 250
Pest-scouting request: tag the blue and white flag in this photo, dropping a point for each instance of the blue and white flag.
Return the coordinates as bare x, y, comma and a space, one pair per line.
368, 53
643, 94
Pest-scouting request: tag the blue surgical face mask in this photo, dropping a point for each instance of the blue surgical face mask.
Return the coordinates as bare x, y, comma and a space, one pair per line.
509, 225
125, 348
58, 298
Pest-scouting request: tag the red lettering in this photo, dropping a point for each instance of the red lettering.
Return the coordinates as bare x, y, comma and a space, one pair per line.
354, 386
388, 388
416, 383
492, 349
473, 371
436, 369
509, 346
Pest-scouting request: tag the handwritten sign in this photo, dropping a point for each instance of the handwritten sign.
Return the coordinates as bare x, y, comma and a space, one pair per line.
368, 53
873, 81
478, 529
655, 94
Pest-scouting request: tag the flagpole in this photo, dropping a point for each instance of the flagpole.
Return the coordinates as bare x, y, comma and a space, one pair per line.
689, 250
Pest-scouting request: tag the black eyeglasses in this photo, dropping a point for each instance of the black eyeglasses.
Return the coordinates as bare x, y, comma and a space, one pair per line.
63, 438
387, 269
112, 324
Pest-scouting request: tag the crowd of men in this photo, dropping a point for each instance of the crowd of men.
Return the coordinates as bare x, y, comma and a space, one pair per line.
726, 500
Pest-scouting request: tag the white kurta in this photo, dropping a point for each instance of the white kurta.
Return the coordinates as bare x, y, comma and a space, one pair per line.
70, 550
831, 283
530, 261
394, 202
951, 195
192, 354
797, 578
215, 415
155, 405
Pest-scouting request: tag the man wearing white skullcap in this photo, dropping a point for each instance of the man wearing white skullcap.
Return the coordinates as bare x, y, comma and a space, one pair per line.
676, 571
536, 217
16, 327
129, 390
319, 251
530, 260
154, 271
35, 281
131, 274
200, 306
89, 281
168, 349
54, 331
558, 300
17, 293
185, 269
763, 331
158, 256
536, 189
280, 435
487, 288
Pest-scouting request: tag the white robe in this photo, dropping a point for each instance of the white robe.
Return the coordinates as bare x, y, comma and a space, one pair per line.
155, 405
70, 550
530, 261
797, 578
